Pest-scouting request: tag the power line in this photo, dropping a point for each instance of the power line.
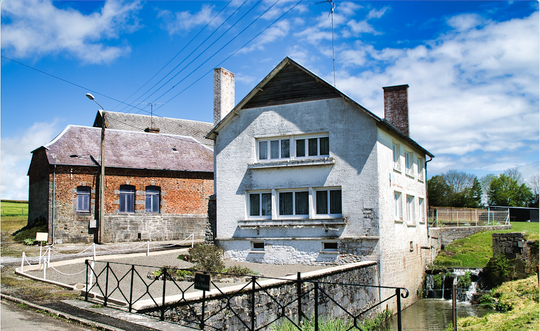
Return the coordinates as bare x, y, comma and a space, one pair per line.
228, 57
205, 51
179, 54
67, 81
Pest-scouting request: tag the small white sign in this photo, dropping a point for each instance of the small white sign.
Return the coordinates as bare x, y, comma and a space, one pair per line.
42, 236
93, 224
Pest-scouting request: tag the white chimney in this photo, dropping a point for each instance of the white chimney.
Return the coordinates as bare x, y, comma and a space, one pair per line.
223, 93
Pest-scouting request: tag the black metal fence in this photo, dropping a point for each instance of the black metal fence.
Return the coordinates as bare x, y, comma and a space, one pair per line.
256, 304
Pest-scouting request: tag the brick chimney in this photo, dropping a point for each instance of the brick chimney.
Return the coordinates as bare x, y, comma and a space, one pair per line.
223, 93
396, 107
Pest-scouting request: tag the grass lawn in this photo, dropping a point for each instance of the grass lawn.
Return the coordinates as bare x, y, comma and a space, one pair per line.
11, 208
521, 296
475, 251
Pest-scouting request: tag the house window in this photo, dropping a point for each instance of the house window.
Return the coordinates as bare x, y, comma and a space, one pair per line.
421, 210
319, 146
257, 246
260, 204
127, 199
408, 163
330, 246
328, 202
294, 203
151, 204
398, 213
83, 199
274, 149
420, 169
293, 147
410, 209
395, 156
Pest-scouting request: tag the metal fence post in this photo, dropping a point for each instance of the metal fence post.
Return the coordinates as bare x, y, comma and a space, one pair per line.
253, 316
454, 308
86, 287
316, 308
201, 325
165, 273
131, 288
106, 285
398, 296
299, 294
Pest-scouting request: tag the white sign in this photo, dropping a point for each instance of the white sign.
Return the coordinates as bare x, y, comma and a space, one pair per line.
42, 236
93, 224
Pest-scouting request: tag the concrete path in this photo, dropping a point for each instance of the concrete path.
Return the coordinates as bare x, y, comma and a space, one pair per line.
15, 318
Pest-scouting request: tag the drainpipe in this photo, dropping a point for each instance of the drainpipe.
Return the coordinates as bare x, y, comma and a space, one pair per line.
53, 204
427, 211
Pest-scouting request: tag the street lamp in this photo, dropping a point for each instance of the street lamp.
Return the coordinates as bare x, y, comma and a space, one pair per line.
102, 173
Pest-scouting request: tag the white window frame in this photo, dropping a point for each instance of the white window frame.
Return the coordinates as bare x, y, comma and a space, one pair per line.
398, 206
328, 214
292, 141
396, 156
421, 169
248, 204
293, 215
409, 163
421, 210
258, 249
411, 217
328, 249
127, 205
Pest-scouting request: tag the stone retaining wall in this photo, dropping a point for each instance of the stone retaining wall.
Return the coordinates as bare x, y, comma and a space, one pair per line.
441, 237
272, 298
522, 253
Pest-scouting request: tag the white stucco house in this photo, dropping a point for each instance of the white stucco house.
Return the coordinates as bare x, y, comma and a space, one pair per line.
304, 174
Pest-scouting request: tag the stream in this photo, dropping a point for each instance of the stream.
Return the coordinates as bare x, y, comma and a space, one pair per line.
434, 314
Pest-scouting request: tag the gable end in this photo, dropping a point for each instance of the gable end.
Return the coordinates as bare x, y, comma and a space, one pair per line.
291, 85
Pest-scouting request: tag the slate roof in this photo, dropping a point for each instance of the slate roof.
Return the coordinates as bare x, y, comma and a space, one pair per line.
266, 93
174, 126
80, 145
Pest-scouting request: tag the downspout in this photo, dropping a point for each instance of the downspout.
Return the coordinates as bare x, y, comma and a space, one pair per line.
53, 204
427, 211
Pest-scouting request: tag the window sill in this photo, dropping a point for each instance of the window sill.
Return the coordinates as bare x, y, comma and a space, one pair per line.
257, 252
398, 221
329, 252
397, 170
411, 225
292, 222
293, 163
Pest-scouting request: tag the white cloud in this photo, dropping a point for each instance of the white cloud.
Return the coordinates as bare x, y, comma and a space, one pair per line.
278, 30
474, 89
37, 28
16, 158
185, 21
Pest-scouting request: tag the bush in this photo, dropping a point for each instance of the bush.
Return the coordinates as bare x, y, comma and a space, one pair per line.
237, 270
207, 258
29, 241
486, 300
503, 306
498, 270
465, 280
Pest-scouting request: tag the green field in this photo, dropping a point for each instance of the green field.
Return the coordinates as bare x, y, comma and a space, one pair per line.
475, 251
14, 208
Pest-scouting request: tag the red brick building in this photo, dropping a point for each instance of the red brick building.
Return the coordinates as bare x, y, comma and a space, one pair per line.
157, 186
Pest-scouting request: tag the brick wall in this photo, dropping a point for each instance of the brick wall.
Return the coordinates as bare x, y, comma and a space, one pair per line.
183, 205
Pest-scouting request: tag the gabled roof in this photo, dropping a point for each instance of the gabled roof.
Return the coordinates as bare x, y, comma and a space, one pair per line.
300, 85
138, 123
80, 145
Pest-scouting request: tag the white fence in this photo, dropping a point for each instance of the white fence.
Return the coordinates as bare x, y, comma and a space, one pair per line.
448, 216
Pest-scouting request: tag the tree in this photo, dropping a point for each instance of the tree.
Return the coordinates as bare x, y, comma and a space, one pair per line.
506, 191
458, 180
515, 174
534, 184
438, 191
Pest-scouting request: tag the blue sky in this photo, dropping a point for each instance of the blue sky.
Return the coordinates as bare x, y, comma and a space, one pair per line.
472, 67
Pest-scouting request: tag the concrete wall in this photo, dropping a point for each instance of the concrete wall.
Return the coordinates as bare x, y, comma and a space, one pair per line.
353, 299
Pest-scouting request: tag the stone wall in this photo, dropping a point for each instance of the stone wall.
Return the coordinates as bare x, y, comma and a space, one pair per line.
183, 205
523, 254
277, 294
441, 237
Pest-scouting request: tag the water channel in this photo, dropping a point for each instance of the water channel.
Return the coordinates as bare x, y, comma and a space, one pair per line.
434, 314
